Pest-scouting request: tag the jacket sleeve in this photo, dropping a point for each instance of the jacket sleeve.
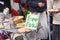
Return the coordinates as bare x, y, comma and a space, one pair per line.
50, 4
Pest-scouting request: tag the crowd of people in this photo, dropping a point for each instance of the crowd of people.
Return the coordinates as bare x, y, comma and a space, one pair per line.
25, 7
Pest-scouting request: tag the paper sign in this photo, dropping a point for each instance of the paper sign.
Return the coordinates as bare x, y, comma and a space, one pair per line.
32, 21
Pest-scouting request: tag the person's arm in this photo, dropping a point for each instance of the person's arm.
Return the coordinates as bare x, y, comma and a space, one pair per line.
23, 30
50, 7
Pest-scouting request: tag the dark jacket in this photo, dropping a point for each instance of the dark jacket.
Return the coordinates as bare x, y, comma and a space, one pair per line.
33, 6
1, 6
6, 4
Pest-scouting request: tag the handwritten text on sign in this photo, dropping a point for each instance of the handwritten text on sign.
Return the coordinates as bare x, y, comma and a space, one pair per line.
32, 21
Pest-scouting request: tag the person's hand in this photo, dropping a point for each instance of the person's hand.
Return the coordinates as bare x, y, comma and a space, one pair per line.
22, 30
40, 4
59, 9
53, 11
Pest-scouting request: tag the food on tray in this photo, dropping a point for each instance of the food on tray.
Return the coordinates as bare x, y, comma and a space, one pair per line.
20, 25
10, 19
1, 26
18, 19
7, 27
